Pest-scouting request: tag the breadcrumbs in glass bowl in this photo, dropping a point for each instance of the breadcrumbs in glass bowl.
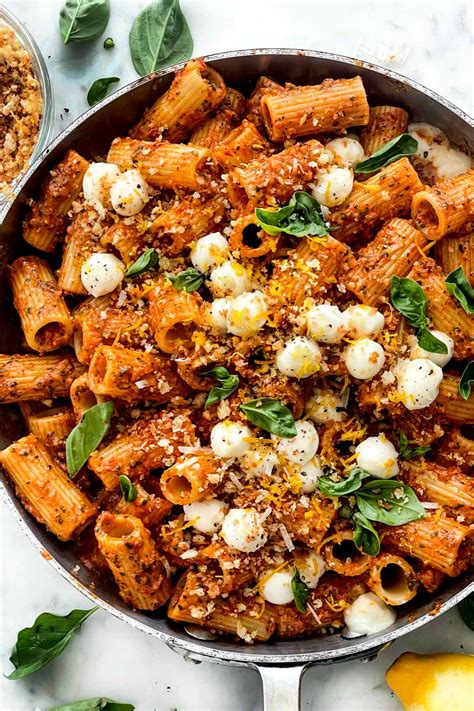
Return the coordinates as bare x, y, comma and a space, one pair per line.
25, 102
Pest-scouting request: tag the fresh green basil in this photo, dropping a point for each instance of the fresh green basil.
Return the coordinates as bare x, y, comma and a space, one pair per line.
159, 37
109, 43
97, 704
467, 379
466, 610
302, 216
188, 280
98, 90
83, 20
407, 452
38, 645
144, 263
227, 385
270, 415
366, 538
129, 491
410, 300
388, 501
458, 286
300, 591
87, 435
398, 147
351, 483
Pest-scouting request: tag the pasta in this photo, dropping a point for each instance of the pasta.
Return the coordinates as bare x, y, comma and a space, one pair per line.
265, 354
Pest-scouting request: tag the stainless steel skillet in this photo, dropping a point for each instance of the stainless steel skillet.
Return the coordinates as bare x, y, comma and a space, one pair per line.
280, 664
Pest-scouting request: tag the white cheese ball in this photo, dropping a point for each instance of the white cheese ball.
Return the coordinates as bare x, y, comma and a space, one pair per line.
302, 448
434, 148
207, 516
101, 273
440, 359
347, 149
368, 615
129, 193
98, 179
311, 566
418, 382
277, 588
362, 321
325, 406
308, 476
299, 358
364, 358
334, 187
378, 456
209, 252
243, 530
247, 314
259, 460
230, 439
326, 323
216, 315
229, 280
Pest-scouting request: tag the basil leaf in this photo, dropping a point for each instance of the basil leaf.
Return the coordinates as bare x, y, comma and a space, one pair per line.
466, 610
467, 379
300, 591
38, 645
390, 502
98, 90
109, 43
366, 538
270, 415
159, 37
188, 280
129, 491
430, 343
351, 483
97, 704
458, 286
407, 452
87, 435
302, 216
398, 147
83, 20
228, 384
145, 261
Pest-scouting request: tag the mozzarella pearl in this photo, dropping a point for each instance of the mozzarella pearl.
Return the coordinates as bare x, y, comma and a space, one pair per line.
325, 323
242, 529
302, 448
368, 615
247, 313
209, 252
217, 314
129, 193
229, 280
434, 148
230, 439
334, 187
299, 358
98, 179
348, 150
259, 460
363, 321
418, 382
364, 358
325, 406
277, 588
101, 273
310, 567
308, 476
207, 516
378, 456
440, 359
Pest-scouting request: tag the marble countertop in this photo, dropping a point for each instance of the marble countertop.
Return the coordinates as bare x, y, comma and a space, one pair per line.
427, 41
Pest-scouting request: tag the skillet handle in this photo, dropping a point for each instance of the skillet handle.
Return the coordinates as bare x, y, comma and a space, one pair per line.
281, 686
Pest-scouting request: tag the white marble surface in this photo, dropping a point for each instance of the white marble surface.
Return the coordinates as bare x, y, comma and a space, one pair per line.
428, 41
